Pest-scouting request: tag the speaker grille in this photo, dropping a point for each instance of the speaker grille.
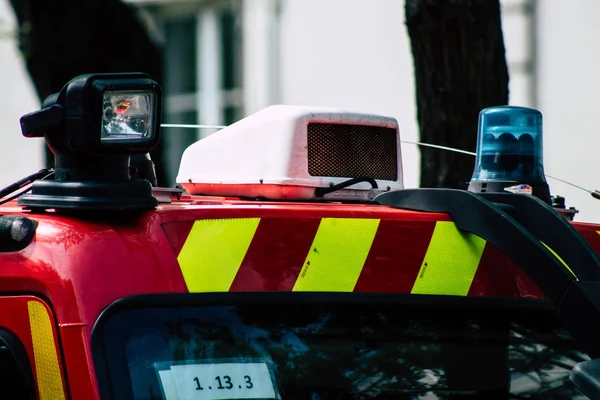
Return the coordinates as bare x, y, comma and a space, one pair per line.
340, 150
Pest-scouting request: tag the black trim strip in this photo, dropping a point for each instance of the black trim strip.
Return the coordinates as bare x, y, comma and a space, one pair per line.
264, 300
169, 300
21, 376
517, 225
475, 214
555, 231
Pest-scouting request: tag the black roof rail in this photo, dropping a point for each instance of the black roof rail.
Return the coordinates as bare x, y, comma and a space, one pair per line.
538, 239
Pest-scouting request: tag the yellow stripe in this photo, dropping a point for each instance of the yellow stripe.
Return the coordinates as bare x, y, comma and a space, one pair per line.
559, 259
213, 252
450, 263
49, 379
337, 255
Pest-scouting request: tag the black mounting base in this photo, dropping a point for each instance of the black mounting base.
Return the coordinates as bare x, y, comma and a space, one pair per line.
135, 194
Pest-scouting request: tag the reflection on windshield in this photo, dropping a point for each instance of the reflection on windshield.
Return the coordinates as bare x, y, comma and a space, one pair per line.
359, 352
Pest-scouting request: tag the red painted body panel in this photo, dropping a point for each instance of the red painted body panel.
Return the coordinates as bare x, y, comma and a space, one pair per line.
82, 265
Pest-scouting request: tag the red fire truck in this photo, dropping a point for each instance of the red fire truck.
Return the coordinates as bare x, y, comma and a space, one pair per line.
291, 263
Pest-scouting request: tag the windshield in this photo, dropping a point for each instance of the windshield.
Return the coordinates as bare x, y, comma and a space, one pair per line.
334, 347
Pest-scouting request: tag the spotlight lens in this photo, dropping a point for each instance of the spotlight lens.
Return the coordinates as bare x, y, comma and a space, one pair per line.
128, 116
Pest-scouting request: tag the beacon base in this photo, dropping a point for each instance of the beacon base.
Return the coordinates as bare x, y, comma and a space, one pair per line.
128, 195
539, 190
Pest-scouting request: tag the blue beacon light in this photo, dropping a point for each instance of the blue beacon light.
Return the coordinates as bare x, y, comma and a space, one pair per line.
509, 152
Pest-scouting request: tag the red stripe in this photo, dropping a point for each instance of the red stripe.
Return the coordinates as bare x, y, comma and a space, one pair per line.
276, 254
527, 287
177, 233
592, 237
395, 258
494, 276
280, 245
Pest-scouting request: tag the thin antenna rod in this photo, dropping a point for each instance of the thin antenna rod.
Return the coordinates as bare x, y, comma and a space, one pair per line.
595, 193
441, 147
569, 183
474, 154
192, 126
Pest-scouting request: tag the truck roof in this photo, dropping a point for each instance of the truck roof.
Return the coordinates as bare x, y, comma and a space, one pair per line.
255, 246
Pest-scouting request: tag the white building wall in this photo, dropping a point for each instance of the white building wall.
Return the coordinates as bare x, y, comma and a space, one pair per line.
358, 56
19, 156
354, 55
569, 87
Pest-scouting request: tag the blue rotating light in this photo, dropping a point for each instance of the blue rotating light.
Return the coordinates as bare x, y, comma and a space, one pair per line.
509, 152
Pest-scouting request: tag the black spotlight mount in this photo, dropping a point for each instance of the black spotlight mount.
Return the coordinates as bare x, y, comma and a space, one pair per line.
93, 126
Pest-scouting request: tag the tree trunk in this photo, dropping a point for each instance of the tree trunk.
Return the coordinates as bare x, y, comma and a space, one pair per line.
62, 39
460, 68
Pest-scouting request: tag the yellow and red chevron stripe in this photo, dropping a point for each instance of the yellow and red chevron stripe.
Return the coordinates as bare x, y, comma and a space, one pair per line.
345, 255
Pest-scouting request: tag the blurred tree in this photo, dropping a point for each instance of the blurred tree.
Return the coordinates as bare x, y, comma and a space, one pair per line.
460, 68
62, 39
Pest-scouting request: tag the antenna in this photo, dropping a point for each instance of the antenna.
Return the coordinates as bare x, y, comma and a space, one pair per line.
595, 193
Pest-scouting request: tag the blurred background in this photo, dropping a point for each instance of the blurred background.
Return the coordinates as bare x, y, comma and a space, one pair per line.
225, 59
